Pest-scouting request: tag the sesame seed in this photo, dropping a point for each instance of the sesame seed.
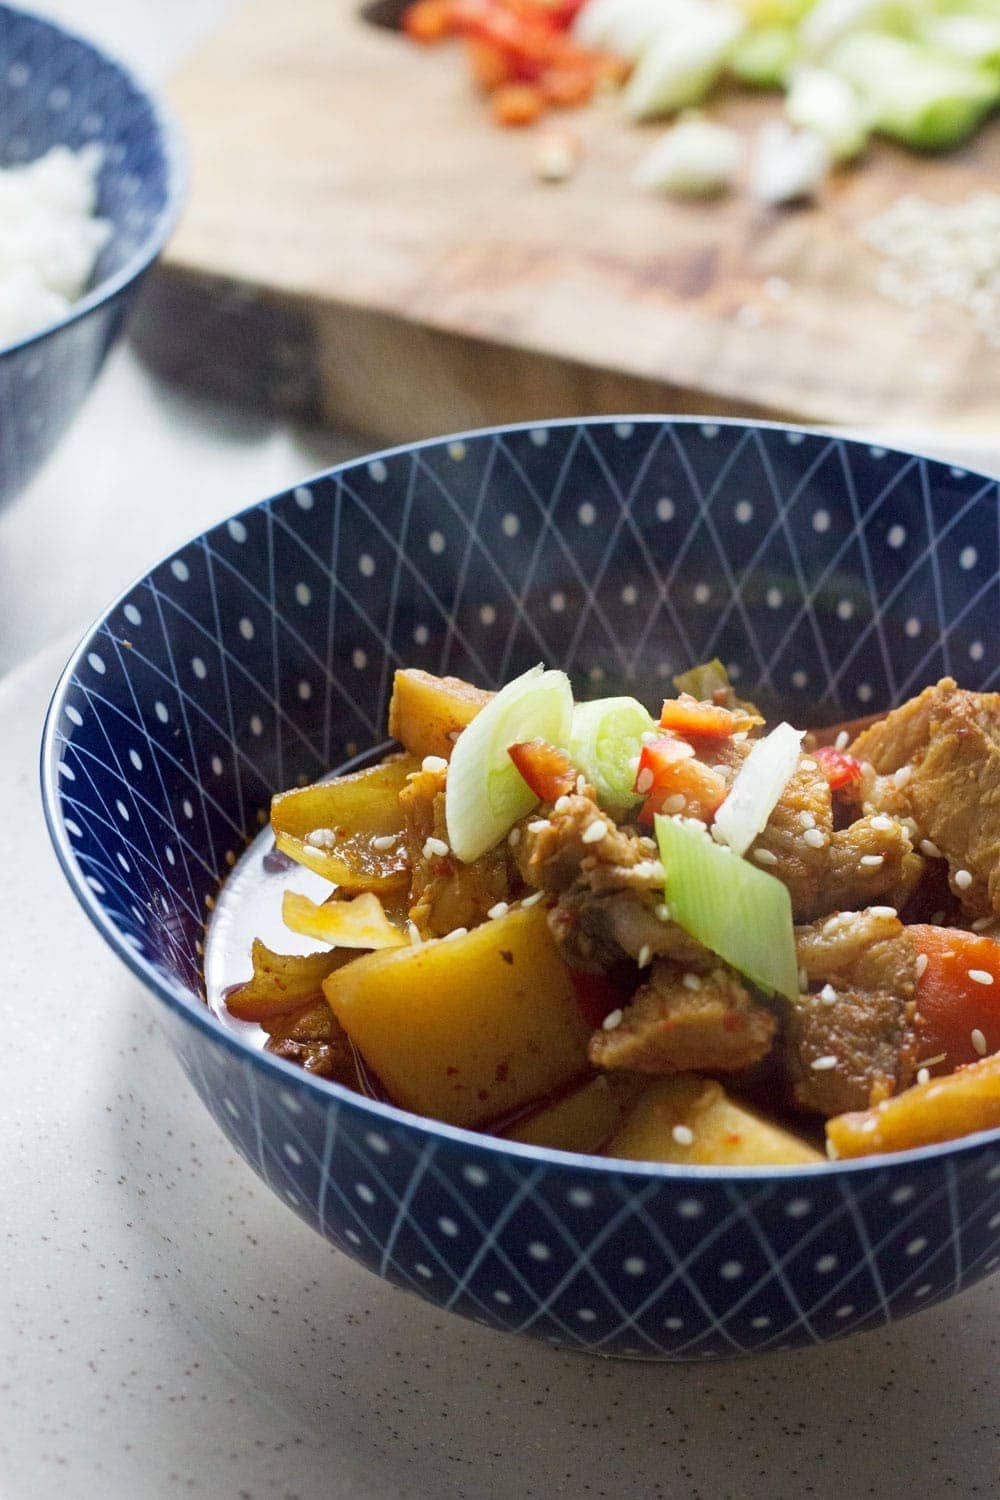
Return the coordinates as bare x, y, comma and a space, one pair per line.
807, 819
683, 1135
928, 847
981, 923
674, 804
533, 899
882, 824
611, 1020
645, 954
803, 981
883, 911
581, 785
434, 846
902, 777
538, 825
828, 995
433, 763
872, 861
806, 764
932, 1062
413, 932
691, 982
980, 976
963, 879
978, 1041
514, 837
663, 911
499, 910
842, 741
649, 869
922, 961
867, 769
823, 1064
321, 838
814, 838
385, 841
561, 804
765, 857
739, 737
456, 932
594, 833
644, 781
923, 1075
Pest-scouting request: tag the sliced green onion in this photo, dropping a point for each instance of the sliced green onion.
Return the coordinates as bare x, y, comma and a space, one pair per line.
914, 93
485, 794
625, 27
694, 159
737, 911
759, 784
826, 104
965, 34
605, 738
683, 61
762, 57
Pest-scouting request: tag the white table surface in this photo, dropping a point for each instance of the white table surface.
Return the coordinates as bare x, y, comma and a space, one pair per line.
166, 1328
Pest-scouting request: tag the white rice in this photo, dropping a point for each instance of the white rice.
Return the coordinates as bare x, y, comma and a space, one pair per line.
50, 237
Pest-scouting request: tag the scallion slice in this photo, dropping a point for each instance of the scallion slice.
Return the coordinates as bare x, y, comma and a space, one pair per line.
605, 737
485, 794
759, 784
737, 911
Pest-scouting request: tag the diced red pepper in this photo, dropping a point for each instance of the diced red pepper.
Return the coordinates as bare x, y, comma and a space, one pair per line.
549, 772
667, 769
490, 65
429, 21
839, 768
687, 716
517, 104
958, 995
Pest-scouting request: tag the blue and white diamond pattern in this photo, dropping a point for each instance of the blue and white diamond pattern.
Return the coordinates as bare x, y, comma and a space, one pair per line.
262, 654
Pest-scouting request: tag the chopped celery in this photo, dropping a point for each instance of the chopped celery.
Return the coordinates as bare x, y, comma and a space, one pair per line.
762, 57
759, 784
737, 911
695, 158
826, 104
485, 794
913, 92
605, 738
684, 59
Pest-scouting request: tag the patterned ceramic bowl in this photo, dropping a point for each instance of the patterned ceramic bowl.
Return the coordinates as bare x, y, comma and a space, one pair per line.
836, 577
57, 89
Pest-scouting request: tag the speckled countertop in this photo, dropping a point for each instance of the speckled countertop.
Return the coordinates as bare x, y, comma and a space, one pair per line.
166, 1328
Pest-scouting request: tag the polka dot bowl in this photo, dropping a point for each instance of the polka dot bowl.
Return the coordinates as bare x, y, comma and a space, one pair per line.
58, 89
835, 576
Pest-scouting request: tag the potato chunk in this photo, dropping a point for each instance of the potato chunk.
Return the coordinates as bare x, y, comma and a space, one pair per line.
941, 1110
346, 816
583, 1119
466, 1029
691, 1121
427, 713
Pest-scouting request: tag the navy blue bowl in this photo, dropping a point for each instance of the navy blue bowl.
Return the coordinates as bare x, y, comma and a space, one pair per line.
57, 89
836, 577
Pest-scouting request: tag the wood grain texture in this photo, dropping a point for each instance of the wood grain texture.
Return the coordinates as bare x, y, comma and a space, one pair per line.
409, 274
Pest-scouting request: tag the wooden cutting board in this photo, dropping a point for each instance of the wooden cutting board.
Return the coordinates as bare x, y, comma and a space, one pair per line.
361, 245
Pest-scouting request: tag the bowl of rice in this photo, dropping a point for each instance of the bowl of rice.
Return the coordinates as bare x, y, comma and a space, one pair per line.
91, 180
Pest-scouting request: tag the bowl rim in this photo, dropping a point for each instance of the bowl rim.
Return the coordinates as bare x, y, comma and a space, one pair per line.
175, 159
197, 1012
